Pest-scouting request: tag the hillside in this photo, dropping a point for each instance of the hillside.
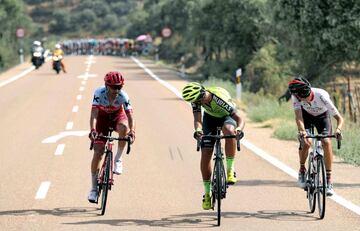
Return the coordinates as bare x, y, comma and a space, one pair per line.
74, 17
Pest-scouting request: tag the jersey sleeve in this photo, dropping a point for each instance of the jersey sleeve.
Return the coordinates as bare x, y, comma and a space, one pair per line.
127, 105
325, 99
196, 107
296, 103
96, 98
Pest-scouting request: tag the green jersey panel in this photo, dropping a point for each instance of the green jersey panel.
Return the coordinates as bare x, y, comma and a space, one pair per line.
220, 105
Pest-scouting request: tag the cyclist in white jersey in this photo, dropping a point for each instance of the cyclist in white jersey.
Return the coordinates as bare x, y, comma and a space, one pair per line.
313, 106
219, 111
110, 108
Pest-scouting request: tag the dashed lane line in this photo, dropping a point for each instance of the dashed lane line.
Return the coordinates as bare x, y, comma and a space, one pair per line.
69, 125
75, 108
42, 191
59, 149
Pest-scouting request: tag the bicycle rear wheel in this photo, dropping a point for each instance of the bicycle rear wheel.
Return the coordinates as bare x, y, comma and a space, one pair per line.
106, 182
310, 183
320, 183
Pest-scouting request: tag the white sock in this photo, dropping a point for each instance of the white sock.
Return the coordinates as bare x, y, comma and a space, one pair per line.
119, 154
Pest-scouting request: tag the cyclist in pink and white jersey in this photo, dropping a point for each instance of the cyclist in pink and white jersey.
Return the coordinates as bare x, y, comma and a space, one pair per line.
110, 108
313, 106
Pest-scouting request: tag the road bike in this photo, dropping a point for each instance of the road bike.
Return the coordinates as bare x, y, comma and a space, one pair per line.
218, 182
105, 178
316, 183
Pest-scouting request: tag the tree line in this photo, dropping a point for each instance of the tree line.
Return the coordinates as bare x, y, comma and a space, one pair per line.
271, 40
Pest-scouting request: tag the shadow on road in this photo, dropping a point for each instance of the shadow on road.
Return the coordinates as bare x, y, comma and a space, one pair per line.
202, 220
61, 212
192, 220
279, 183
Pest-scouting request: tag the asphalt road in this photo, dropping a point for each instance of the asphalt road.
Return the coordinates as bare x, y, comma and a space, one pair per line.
44, 121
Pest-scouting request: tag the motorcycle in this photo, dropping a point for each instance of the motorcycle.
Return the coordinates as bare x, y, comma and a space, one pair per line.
37, 58
56, 63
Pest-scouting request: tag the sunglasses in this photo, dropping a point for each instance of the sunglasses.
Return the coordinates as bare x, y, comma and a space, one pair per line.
201, 96
116, 87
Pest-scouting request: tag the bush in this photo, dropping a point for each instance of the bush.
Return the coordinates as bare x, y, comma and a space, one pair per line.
350, 144
286, 130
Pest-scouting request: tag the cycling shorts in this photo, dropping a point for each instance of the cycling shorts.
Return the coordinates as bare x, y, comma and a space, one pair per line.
322, 122
210, 125
104, 122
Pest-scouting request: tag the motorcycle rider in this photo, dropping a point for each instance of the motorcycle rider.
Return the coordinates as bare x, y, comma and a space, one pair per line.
37, 52
59, 53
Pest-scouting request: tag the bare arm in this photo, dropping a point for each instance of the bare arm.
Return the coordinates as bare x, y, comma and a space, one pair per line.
239, 121
93, 116
131, 120
299, 121
197, 121
340, 122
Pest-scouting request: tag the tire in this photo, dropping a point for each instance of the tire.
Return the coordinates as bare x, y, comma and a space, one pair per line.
219, 189
320, 183
310, 189
106, 182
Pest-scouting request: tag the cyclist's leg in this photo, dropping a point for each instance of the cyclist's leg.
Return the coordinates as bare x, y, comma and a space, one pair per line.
102, 127
122, 129
207, 146
303, 153
95, 167
230, 145
324, 127
228, 128
95, 162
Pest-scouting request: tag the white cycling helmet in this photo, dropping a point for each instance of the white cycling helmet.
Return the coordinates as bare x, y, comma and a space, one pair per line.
37, 43
57, 46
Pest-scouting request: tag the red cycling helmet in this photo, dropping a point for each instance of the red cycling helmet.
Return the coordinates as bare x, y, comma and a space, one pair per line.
114, 78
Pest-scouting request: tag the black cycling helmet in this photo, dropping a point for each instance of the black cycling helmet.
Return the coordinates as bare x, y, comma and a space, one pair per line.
300, 87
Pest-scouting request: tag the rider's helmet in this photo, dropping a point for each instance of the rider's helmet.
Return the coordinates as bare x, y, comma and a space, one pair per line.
37, 43
57, 46
193, 92
114, 78
300, 87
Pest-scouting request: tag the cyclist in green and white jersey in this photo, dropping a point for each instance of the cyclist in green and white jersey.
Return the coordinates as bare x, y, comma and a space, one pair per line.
219, 111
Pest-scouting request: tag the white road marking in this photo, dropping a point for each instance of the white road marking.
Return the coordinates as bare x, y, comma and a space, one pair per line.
22, 74
75, 109
69, 125
59, 149
42, 191
81, 88
272, 160
78, 97
86, 76
166, 84
16, 77
55, 138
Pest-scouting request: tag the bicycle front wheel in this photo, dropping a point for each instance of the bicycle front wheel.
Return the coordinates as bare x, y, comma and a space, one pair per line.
220, 187
310, 184
106, 182
320, 183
